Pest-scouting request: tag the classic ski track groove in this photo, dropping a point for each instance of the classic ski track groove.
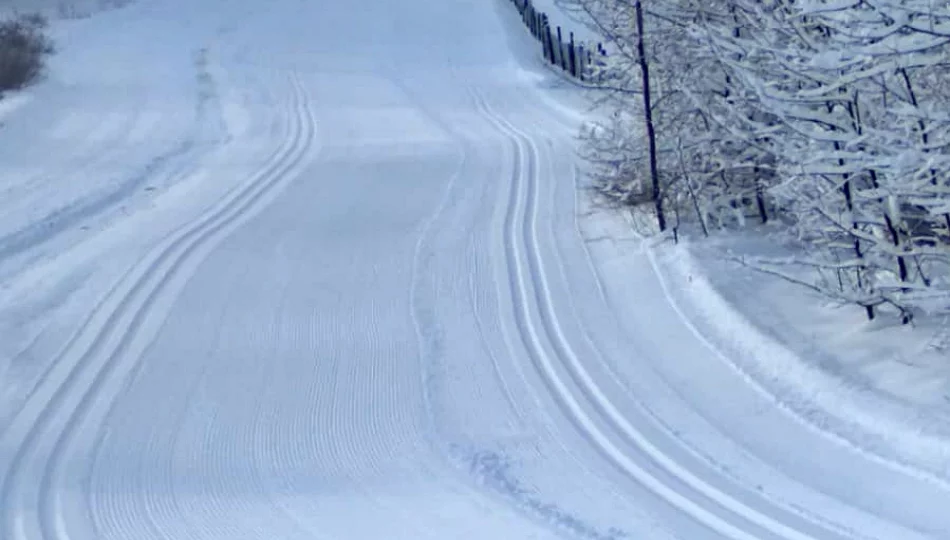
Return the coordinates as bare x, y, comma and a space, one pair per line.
334, 425
510, 349
792, 509
659, 422
509, 338
822, 521
94, 356
523, 202
170, 166
845, 440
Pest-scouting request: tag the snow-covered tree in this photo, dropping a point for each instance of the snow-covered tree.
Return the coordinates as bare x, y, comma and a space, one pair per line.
828, 113
860, 172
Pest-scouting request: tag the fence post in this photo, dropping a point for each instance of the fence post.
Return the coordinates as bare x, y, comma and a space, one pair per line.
549, 43
573, 55
560, 49
580, 62
544, 41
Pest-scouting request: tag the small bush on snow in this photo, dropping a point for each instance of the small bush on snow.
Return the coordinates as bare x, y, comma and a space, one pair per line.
24, 46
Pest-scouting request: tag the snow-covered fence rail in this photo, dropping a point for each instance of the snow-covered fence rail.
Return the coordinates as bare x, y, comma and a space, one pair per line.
572, 56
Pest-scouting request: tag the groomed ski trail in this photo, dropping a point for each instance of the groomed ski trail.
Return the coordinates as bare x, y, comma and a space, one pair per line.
94, 365
396, 316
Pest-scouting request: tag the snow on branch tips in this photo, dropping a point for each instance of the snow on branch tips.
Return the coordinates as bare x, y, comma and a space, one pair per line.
825, 117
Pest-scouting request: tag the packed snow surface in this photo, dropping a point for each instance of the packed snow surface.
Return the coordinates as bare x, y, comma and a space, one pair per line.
325, 270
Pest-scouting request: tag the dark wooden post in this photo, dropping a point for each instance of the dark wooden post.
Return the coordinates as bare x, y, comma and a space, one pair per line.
549, 43
560, 49
573, 55
580, 61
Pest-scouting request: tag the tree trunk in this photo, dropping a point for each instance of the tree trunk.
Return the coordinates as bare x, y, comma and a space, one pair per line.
760, 196
648, 117
923, 134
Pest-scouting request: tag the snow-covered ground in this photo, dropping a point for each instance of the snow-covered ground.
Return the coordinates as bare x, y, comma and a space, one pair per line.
883, 385
60, 9
292, 270
569, 22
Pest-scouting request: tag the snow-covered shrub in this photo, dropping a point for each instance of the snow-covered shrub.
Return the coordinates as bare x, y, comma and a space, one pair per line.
24, 46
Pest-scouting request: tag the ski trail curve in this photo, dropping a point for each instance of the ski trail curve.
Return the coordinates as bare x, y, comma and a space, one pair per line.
811, 505
541, 331
68, 405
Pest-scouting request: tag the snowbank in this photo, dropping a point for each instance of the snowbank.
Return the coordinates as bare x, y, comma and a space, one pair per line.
824, 364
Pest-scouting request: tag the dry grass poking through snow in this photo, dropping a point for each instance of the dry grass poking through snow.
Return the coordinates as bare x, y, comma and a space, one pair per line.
24, 46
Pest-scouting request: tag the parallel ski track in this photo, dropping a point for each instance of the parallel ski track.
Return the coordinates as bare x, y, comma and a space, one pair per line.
891, 460
529, 287
806, 514
77, 393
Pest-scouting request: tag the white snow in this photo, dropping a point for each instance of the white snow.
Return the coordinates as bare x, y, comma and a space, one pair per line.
61, 9
883, 386
569, 22
296, 270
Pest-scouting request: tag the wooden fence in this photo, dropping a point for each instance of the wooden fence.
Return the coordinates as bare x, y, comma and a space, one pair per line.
573, 57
